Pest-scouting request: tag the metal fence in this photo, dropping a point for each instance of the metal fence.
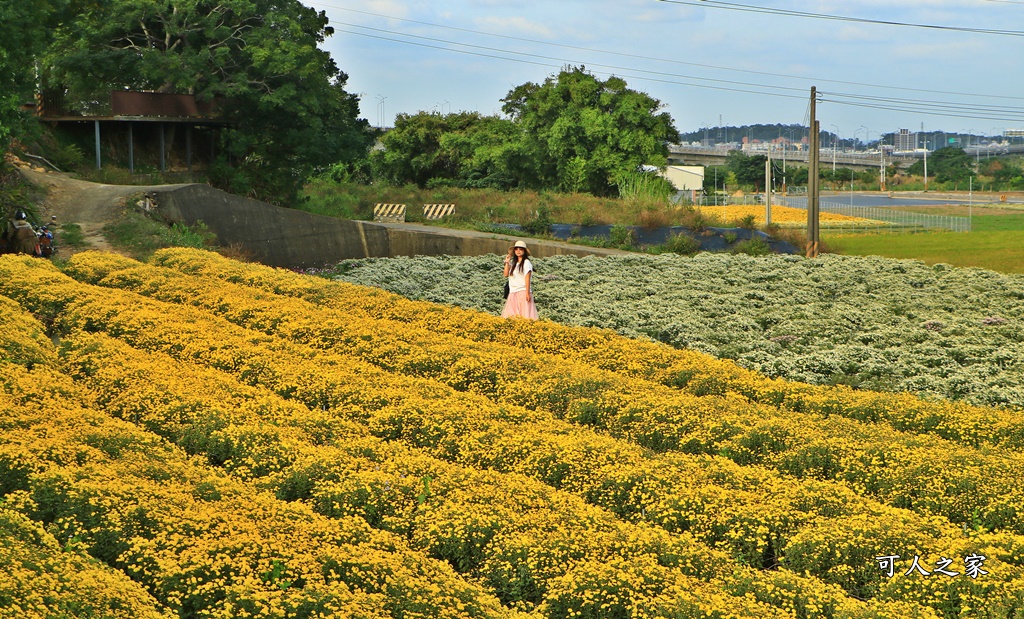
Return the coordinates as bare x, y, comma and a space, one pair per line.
878, 219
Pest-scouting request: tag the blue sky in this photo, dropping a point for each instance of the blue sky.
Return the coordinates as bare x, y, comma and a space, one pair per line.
709, 63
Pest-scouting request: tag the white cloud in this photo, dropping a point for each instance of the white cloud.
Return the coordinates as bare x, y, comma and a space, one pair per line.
393, 8
519, 25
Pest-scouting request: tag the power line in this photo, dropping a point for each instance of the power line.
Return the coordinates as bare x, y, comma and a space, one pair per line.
574, 62
749, 8
668, 60
920, 106
888, 103
562, 64
950, 110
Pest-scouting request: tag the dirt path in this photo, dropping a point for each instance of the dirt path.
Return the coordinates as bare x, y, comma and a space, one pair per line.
90, 205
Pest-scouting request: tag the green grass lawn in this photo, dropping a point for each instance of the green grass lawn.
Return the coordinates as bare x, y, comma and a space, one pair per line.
996, 242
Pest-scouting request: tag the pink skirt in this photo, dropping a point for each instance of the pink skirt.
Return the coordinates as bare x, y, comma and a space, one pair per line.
519, 304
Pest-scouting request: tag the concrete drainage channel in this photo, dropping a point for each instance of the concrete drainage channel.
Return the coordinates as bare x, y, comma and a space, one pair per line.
296, 239
289, 238
711, 239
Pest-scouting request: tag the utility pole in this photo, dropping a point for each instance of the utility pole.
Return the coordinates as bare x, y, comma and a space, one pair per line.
812, 180
785, 147
768, 188
881, 166
380, 111
925, 163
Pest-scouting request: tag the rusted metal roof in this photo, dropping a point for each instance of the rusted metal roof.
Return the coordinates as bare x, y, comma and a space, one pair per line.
158, 104
133, 105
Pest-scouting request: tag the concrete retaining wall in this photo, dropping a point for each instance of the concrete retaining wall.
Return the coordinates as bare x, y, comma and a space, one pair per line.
289, 238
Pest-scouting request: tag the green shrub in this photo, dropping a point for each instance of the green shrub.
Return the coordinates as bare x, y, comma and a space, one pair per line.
756, 246
748, 222
622, 237
140, 236
682, 244
541, 222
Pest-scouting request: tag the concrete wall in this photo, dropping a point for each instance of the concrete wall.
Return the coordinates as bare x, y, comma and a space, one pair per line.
289, 238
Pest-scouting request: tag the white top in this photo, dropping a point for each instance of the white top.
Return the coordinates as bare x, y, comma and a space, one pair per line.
517, 279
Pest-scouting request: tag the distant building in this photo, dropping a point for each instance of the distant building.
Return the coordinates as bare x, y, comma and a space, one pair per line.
905, 140
687, 179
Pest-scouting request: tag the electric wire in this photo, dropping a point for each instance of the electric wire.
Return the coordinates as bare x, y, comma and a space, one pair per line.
932, 108
887, 103
749, 8
667, 60
576, 62
562, 64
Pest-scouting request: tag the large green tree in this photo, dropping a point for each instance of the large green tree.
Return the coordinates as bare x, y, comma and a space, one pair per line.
579, 133
464, 149
748, 169
24, 36
949, 164
1003, 170
284, 95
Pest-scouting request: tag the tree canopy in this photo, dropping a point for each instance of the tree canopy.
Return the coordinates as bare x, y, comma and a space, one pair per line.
464, 149
285, 96
748, 169
572, 133
579, 133
949, 164
24, 30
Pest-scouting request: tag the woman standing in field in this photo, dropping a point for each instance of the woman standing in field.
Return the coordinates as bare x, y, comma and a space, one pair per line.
519, 271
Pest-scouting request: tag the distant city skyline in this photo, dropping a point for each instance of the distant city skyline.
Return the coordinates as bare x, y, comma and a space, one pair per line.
944, 63
795, 135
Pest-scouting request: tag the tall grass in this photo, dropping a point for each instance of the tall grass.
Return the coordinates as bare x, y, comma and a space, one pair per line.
646, 204
139, 236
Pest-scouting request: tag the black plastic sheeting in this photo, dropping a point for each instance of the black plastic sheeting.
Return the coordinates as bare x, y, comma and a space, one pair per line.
711, 239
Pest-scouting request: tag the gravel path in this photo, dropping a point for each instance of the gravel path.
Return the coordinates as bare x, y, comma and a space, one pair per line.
90, 205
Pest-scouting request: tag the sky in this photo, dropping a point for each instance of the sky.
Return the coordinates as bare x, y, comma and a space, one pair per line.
878, 65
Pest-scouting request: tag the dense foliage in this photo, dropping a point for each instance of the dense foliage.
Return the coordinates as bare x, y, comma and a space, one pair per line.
870, 322
217, 439
573, 133
948, 165
463, 149
1005, 171
25, 30
260, 59
579, 133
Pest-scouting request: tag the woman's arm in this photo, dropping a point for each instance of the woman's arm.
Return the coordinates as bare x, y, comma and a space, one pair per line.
529, 291
508, 264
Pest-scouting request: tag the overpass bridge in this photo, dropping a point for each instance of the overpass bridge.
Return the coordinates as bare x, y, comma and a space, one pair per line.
710, 155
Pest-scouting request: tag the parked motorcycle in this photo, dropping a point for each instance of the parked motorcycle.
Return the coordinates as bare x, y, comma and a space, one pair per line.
45, 247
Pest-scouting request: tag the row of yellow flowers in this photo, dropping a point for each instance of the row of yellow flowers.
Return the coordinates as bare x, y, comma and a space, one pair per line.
523, 556
160, 393
41, 580
926, 474
202, 544
524, 540
390, 424
693, 371
25, 341
783, 215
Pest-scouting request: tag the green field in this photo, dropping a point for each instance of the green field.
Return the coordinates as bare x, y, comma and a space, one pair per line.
996, 241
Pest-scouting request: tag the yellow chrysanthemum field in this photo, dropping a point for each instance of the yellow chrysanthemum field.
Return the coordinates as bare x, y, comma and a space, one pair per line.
785, 216
200, 437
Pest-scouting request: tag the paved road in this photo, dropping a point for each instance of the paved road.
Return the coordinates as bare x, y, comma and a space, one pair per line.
867, 200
